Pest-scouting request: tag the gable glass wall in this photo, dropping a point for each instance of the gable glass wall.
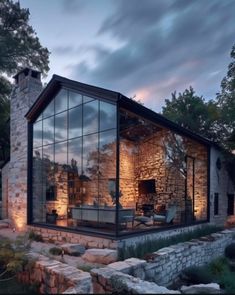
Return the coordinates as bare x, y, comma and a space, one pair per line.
74, 163
87, 176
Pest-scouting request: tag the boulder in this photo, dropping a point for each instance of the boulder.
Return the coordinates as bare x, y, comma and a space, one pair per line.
73, 249
211, 288
102, 256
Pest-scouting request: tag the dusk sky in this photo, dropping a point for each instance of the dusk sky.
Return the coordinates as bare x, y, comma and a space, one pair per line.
142, 48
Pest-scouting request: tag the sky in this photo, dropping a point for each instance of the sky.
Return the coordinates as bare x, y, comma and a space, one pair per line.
144, 49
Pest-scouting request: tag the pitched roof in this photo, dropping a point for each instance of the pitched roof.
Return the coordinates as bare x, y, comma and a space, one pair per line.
57, 82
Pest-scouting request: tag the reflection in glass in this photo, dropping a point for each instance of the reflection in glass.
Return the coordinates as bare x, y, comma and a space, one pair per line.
37, 134
90, 117
48, 172
37, 186
90, 155
75, 154
61, 153
107, 154
75, 122
75, 99
107, 115
49, 110
61, 101
48, 130
61, 126
87, 99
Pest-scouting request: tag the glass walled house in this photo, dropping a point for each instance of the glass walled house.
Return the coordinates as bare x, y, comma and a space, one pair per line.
100, 162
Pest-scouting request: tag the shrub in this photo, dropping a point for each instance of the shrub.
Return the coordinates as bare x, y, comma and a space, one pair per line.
227, 282
218, 266
197, 275
55, 251
149, 245
35, 237
229, 251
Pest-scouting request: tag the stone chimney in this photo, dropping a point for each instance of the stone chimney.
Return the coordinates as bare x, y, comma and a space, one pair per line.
25, 92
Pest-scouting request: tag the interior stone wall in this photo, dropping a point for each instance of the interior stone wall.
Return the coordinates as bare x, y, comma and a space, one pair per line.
149, 159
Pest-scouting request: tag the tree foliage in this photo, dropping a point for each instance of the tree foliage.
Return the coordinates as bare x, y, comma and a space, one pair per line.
19, 44
192, 112
19, 47
226, 103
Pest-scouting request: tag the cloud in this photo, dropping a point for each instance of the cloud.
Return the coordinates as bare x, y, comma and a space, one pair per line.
161, 41
73, 6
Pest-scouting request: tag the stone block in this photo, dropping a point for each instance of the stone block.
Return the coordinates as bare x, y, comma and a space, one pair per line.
73, 249
102, 256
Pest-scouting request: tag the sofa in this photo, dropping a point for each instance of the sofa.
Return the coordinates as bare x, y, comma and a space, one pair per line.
101, 214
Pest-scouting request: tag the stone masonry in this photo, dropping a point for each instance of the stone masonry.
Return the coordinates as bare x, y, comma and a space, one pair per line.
166, 264
220, 183
27, 88
5, 172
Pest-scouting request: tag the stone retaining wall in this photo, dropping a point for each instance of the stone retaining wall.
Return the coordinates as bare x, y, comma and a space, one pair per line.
98, 242
167, 263
55, 277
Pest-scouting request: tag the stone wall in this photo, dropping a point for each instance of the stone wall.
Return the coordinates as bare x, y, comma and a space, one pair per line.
77, 238
55, 277
162, 157
5, 177
220, 183
165, 264
23, 96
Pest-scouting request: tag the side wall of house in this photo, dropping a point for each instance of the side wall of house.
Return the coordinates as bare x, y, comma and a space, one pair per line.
24, 94
221, 184
5, 176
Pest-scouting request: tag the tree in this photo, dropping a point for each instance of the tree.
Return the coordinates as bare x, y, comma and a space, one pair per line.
192, 112
19, 47
226, 103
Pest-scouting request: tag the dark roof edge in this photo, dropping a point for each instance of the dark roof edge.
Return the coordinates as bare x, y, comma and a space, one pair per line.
135, 106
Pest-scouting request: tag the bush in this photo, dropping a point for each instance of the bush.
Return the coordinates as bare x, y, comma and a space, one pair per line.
35, 237
227, 282
197, 275
230, 251
149, 246
218, 266
55, 251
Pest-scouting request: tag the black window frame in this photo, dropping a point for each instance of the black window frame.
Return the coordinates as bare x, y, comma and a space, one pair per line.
216, 204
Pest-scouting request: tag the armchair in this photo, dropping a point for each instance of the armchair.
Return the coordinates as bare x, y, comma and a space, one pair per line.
167, 217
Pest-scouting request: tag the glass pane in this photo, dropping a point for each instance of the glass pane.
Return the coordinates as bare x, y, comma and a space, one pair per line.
74, 99
37, 197
75, 122
61, 153
61, 178
61, 101
37, 134
87, 98
75, 155
107, 154
49, 192
49, 110
90, 117
39, 117
90, 156
107, 192
61, 126
108, 116
48, 130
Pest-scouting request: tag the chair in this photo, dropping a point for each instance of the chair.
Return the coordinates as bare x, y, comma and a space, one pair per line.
168, 217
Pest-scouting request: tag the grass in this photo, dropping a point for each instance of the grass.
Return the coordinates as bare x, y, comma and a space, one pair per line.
217, 271
150, 246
